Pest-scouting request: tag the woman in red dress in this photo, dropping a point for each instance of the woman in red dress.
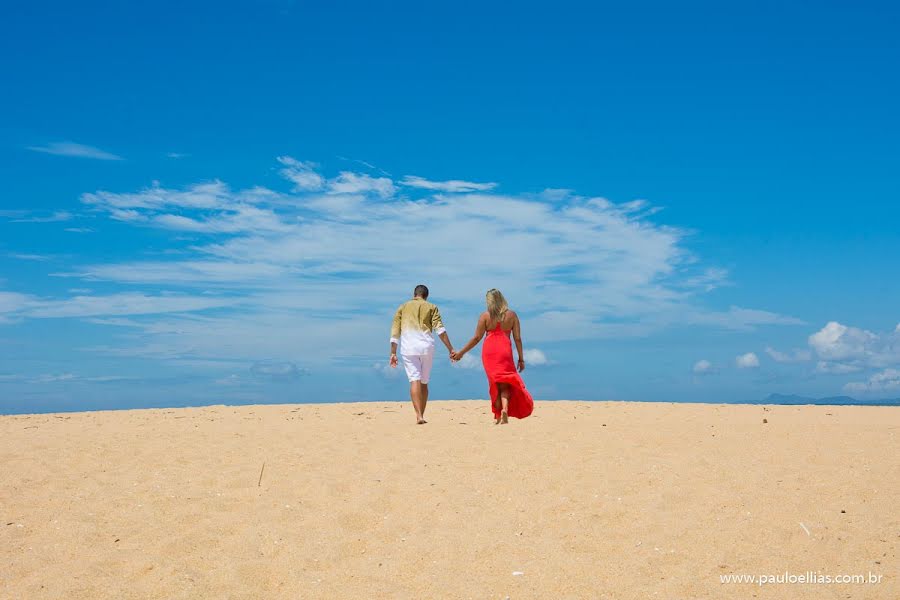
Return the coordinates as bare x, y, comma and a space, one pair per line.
509, 398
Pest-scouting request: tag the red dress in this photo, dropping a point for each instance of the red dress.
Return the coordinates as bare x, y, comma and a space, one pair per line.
497, 357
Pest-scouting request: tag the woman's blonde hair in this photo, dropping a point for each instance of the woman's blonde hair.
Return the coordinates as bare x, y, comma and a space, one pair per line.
496, 304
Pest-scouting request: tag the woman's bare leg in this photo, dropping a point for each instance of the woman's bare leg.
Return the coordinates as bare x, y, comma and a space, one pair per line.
503, 392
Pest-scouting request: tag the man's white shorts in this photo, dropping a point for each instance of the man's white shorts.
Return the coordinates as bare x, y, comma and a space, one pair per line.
418, 366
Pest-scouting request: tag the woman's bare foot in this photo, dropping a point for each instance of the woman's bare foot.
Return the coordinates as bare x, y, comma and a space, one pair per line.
504, 417
497, 421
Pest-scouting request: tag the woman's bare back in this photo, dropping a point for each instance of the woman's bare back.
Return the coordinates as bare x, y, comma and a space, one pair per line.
507, 321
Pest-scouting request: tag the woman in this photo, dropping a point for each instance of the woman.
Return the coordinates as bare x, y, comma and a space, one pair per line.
509, 398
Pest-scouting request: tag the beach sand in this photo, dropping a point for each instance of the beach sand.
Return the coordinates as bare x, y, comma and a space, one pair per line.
581, 500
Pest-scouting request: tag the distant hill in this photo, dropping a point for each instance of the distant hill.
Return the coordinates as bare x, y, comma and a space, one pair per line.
831, 400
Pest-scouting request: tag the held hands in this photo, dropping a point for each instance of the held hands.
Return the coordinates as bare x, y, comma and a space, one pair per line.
456, 356
393, 361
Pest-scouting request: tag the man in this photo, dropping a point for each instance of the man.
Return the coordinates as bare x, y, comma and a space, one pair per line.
414, 324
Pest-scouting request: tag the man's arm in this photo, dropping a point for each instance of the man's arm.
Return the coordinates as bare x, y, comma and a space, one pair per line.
437, 326
446, 339
395, 336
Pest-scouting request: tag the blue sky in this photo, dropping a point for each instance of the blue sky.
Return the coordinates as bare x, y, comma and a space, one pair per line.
224, 202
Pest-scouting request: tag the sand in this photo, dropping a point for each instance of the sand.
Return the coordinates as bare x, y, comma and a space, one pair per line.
581, 500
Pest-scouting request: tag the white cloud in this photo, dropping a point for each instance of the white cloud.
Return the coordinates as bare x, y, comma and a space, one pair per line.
241, 218
302, 174
573, 268
879, 383
176, 155
30, 257
185, 272
11, 302
213, 208
747, 361
77, 150
789, 357
358, 183
535, 357
453, 185
702, 367
126, 303
57, 216
838, 342
204, 196
856, 348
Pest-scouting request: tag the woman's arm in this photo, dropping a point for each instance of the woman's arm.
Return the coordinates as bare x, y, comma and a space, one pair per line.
517, 336
479, 333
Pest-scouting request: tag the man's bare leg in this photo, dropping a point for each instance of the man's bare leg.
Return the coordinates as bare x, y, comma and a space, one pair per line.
415, 394
424, 400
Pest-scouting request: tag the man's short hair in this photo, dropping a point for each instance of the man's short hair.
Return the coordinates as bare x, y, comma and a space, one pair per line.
421, 291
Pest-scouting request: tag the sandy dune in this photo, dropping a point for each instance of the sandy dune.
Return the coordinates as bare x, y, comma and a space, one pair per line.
582, 500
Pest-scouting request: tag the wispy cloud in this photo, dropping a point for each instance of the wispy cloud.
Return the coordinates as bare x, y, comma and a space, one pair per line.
279, 262
176, 155
125, 303
795, 356
367, 165
302, 174
453, 185
30, 257
60, 215
358, 183
76, 150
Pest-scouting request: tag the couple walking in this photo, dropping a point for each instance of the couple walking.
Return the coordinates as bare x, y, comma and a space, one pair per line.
415, 324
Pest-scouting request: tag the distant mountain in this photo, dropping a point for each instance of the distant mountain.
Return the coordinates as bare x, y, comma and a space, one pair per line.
831, 400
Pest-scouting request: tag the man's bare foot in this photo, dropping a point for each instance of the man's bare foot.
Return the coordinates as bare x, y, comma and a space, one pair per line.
504, 417
421, 421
